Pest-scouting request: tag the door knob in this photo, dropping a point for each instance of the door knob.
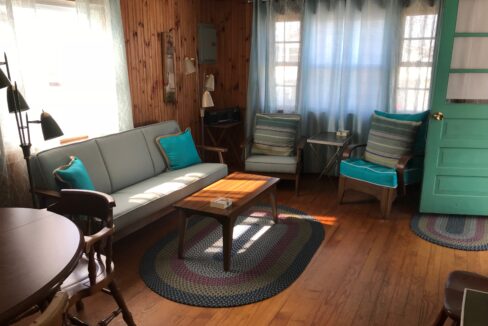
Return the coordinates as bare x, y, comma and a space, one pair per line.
438, 116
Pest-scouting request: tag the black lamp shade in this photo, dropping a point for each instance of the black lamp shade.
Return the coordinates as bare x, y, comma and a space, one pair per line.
22, 104
50, 128
4, 82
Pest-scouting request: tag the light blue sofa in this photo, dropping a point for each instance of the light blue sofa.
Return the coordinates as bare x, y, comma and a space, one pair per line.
129, 166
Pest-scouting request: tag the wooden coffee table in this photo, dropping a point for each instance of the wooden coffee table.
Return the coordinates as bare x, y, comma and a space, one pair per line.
244, 190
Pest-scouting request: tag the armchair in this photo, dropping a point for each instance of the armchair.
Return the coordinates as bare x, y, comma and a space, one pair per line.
383, 182
272, 161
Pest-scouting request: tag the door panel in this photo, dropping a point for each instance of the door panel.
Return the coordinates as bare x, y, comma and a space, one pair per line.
456, 161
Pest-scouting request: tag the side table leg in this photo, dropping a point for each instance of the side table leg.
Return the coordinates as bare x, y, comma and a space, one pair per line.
227, 233
181, 233
272, 197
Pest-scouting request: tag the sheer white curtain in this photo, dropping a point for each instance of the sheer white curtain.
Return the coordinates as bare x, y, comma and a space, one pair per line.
68, 59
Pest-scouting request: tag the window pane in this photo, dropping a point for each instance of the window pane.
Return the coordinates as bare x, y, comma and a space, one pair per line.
280, 31
280, 52
292, 31
279, 96
289, 97
417, 51
290, 77
280, 75
292, 52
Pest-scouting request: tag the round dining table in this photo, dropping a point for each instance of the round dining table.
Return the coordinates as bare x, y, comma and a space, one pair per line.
38, 250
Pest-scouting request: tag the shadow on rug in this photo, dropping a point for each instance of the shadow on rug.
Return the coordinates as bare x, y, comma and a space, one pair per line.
453, 231
266, 259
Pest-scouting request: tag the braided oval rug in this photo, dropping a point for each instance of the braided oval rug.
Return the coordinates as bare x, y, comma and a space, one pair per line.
266, 258
453, 231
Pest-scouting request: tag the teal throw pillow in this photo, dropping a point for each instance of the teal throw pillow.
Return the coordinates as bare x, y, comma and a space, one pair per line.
74, 175
179, 150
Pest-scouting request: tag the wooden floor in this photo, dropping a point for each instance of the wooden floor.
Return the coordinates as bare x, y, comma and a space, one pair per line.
370, 272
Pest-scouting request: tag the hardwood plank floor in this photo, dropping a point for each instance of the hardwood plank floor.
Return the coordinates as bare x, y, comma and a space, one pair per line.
370, 272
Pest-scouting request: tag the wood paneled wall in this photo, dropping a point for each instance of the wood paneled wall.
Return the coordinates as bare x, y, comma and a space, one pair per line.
143, 20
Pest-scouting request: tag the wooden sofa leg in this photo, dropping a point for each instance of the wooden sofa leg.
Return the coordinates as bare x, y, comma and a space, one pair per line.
342, 185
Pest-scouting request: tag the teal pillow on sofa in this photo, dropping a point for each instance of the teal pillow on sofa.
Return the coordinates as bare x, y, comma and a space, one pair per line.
179, 150
74, 175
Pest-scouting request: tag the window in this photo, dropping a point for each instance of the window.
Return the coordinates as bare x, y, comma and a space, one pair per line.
69, 71
287, 58
415, 68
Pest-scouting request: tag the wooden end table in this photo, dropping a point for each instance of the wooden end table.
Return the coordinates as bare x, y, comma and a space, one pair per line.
244, 190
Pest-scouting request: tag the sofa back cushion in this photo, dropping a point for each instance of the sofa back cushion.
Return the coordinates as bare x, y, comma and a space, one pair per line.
49, 160
127, 159
153, 131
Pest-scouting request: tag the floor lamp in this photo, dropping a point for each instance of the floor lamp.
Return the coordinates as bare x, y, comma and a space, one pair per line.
17, 105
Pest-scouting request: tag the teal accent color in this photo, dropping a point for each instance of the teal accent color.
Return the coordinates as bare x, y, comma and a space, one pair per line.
418, 147
470, 34
468, 71
377, 174
74, 175
180, 150
455, 172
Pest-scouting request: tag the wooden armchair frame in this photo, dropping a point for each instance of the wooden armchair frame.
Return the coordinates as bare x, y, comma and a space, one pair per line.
300, 145
97, 207
385, 195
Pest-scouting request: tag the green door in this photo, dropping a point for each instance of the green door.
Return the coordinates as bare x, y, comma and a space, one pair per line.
456, 161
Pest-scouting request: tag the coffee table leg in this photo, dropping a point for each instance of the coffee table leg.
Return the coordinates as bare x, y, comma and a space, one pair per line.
181, 233
227, 233
272, 197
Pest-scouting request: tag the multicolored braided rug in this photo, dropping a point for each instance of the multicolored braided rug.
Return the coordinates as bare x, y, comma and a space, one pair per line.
453, 231
266, 259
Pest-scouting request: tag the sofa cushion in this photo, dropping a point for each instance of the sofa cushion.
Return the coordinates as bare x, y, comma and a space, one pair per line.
126, 156
163, 190
74, 175
87, 151
179, 150
267, 163
150, 133
389, 139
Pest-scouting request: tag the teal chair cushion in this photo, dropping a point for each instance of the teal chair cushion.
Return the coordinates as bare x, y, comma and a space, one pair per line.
362, 170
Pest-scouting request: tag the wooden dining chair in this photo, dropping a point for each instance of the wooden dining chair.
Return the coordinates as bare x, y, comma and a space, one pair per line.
92, 211
456, 282
54, 315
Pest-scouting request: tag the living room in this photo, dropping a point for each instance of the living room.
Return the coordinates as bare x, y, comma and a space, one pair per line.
316, 162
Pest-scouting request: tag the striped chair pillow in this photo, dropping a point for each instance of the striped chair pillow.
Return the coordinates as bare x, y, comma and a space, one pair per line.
389, 140
275, 134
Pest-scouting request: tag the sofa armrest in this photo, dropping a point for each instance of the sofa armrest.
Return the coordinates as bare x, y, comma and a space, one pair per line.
348, 151
46, 197
218, 150
245, 148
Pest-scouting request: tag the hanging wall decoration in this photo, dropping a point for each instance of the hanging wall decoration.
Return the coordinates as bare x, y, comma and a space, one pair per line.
168, 57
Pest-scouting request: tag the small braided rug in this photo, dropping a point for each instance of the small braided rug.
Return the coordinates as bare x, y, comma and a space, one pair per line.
453, 231
266, 258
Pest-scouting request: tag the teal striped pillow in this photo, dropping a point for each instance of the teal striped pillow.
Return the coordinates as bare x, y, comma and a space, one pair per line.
390, 139
275, 135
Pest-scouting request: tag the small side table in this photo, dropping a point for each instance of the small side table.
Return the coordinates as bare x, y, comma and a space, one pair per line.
219, 136
329, 139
